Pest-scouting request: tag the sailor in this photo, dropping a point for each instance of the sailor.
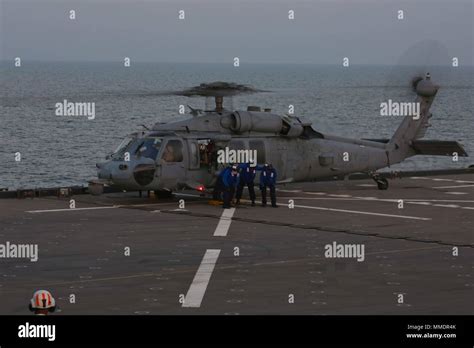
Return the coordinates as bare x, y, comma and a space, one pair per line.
230, 181
42, 303
219, 187
247, 177
268, 178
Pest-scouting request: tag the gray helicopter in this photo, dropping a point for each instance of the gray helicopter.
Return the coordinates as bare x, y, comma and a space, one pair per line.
185, 154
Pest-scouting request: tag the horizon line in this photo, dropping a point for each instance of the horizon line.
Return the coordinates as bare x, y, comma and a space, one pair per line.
222, 63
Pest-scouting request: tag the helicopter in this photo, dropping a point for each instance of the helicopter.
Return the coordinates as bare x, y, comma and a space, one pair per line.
183, 154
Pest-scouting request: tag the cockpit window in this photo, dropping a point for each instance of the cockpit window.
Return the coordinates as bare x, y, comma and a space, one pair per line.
149, 148
123, 145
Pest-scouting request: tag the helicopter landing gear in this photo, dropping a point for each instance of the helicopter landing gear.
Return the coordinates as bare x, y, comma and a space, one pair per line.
95, 189
382, 183
163, 194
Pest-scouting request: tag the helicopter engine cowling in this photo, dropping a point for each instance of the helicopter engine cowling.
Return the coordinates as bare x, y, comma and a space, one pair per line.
244, 121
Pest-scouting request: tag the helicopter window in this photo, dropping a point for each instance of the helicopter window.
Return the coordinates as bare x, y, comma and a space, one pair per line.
260, 147
129, 144
173, 151
123, 144
149, 148
193, 154
236, 145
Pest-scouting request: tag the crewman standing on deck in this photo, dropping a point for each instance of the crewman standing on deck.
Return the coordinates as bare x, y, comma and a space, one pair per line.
230, 181
268, 178
247, 177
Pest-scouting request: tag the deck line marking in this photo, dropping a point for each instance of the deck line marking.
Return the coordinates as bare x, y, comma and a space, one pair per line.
224, 222
446, 205
338, 199
360, 212
71, 209
406, 200
201, 279
97, 208
454, 186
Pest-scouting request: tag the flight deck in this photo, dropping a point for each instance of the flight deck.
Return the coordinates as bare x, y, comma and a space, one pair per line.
123, 254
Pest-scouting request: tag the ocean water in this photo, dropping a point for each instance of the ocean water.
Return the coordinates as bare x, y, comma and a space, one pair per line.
63, 150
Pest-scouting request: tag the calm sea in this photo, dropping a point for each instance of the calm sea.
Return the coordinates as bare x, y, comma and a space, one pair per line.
63, 150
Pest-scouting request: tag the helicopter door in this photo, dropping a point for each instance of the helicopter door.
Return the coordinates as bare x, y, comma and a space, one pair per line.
172, 162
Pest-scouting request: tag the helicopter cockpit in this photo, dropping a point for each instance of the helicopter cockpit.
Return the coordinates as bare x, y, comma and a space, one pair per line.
149, 147
140, 147
144, 158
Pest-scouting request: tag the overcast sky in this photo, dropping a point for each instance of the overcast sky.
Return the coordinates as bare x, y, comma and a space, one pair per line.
256, 31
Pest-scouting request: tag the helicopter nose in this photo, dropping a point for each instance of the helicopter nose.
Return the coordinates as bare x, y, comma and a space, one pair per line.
113, 170
103, 171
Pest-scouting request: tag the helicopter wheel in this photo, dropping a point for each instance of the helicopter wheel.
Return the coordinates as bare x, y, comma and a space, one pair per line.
382, 183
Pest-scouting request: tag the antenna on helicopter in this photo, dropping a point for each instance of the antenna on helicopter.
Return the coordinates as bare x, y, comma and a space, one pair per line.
194, 112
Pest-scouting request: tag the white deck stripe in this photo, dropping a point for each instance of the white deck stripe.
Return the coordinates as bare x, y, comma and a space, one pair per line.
224, 222
373, 199
446, 205
407, 201
454, 186
97, 208
201, 279
361, 212
71, 209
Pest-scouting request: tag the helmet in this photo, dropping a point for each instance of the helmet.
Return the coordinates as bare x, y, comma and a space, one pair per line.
42, 299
